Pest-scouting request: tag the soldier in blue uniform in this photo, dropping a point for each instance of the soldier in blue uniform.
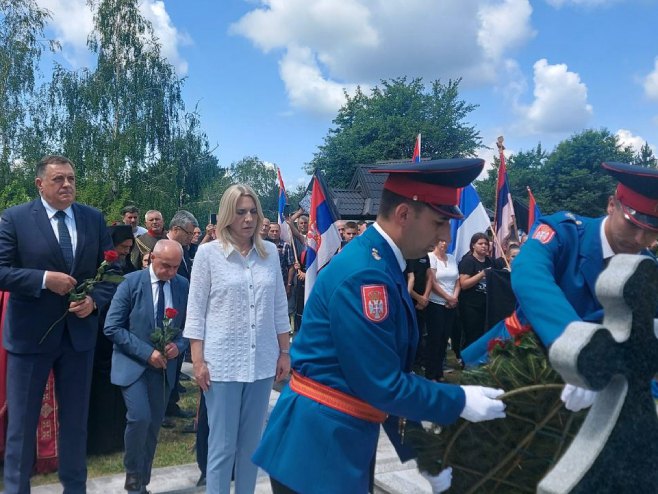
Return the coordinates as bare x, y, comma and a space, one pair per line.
555, 273
352, 358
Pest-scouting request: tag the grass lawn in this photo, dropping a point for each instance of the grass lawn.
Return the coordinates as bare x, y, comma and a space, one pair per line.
174, 446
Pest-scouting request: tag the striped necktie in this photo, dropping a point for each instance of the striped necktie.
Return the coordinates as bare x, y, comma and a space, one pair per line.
64, 239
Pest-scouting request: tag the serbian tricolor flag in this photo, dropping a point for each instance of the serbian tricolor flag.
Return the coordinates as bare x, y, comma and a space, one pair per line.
416, 156
286, 235
533, 211
322, 239
475, 220
504, 219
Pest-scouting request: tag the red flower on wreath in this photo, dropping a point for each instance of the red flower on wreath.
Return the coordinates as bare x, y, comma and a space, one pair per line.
111, 256
170, 313
494, 343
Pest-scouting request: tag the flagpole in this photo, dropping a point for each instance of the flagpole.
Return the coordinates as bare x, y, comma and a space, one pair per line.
501, 155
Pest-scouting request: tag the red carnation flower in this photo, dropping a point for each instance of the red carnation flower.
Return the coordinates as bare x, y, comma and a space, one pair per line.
111, 255
170, 312
494, 343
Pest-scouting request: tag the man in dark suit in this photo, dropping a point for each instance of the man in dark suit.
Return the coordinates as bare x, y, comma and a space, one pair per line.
181, 230
47, 247
144, 374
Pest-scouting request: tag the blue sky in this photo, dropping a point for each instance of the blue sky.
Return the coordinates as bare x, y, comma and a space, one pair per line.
268, 75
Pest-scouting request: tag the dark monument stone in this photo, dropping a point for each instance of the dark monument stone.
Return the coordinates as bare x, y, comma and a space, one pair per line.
616, 449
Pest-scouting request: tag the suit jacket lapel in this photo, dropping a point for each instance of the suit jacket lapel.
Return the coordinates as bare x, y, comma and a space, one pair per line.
43, 224
81, 231
148, 295
177, 299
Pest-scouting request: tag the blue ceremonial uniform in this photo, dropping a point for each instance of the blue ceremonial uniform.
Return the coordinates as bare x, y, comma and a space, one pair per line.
363, 350
555, 274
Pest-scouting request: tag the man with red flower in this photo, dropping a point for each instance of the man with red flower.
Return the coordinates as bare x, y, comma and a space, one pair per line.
47, 247
145, 371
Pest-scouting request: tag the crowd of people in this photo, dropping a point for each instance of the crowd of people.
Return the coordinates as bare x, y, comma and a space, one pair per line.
233, 297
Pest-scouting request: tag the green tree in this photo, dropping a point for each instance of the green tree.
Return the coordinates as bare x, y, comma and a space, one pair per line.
119, 122
262, 178
21, 43
384, 125
573, 177
646, 157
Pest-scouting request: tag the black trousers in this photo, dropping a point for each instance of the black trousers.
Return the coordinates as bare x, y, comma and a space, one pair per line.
440, 321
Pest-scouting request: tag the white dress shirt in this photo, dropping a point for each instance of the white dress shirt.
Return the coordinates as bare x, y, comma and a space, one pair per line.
155, 292
237, 305
70, 225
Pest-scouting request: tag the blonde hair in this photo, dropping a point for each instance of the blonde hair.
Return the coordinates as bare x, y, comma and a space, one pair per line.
227, 211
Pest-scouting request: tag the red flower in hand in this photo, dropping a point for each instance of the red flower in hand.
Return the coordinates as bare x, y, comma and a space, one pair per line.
111, 256
170, 312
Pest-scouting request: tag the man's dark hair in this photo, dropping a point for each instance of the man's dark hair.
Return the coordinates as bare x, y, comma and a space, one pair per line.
391, 200
51, 159
129, 209
352, 225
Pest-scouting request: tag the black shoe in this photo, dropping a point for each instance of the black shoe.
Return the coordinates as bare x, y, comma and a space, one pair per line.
202, 480
133, 482
168, 423
179, 412
184, 377
189, 428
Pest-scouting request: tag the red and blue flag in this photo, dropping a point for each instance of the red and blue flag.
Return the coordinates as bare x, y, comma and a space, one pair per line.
323, 239
416, 157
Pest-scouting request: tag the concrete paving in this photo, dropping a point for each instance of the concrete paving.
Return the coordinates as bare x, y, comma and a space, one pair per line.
391, 476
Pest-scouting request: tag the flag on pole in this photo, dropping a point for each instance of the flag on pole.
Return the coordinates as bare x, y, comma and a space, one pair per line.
322, 239
286, 234
416, 156
533, 211
475, 220
504, 218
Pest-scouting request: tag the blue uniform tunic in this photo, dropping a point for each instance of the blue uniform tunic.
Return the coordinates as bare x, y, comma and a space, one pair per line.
312, 448
554, 279
554, 275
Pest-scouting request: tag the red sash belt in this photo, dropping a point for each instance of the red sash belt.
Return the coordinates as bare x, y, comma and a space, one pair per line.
335, 399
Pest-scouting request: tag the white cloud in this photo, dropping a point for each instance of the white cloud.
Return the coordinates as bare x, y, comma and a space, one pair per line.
626, 138
72, 22
651, 82
305, 85
560, 101
342, 44
504, 26
166, 33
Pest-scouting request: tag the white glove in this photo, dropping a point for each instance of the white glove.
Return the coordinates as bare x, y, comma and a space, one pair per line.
481, 404
576, 398
440, 482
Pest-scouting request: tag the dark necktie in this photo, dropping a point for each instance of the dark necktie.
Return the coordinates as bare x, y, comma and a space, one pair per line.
64, 239
160, 312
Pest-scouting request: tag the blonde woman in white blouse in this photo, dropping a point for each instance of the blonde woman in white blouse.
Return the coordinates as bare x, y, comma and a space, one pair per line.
238, 329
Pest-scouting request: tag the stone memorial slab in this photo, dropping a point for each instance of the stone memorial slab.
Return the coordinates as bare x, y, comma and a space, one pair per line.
616, 449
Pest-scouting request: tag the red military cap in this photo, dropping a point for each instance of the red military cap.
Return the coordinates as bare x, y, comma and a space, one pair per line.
637, 192
436, 182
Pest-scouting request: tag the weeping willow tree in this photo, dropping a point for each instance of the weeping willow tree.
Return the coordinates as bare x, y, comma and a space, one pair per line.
123, 122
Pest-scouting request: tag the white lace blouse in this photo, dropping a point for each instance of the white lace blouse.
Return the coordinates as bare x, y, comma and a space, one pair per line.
237, 305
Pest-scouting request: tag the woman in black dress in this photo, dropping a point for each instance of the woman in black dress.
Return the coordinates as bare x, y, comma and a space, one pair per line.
473, 281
